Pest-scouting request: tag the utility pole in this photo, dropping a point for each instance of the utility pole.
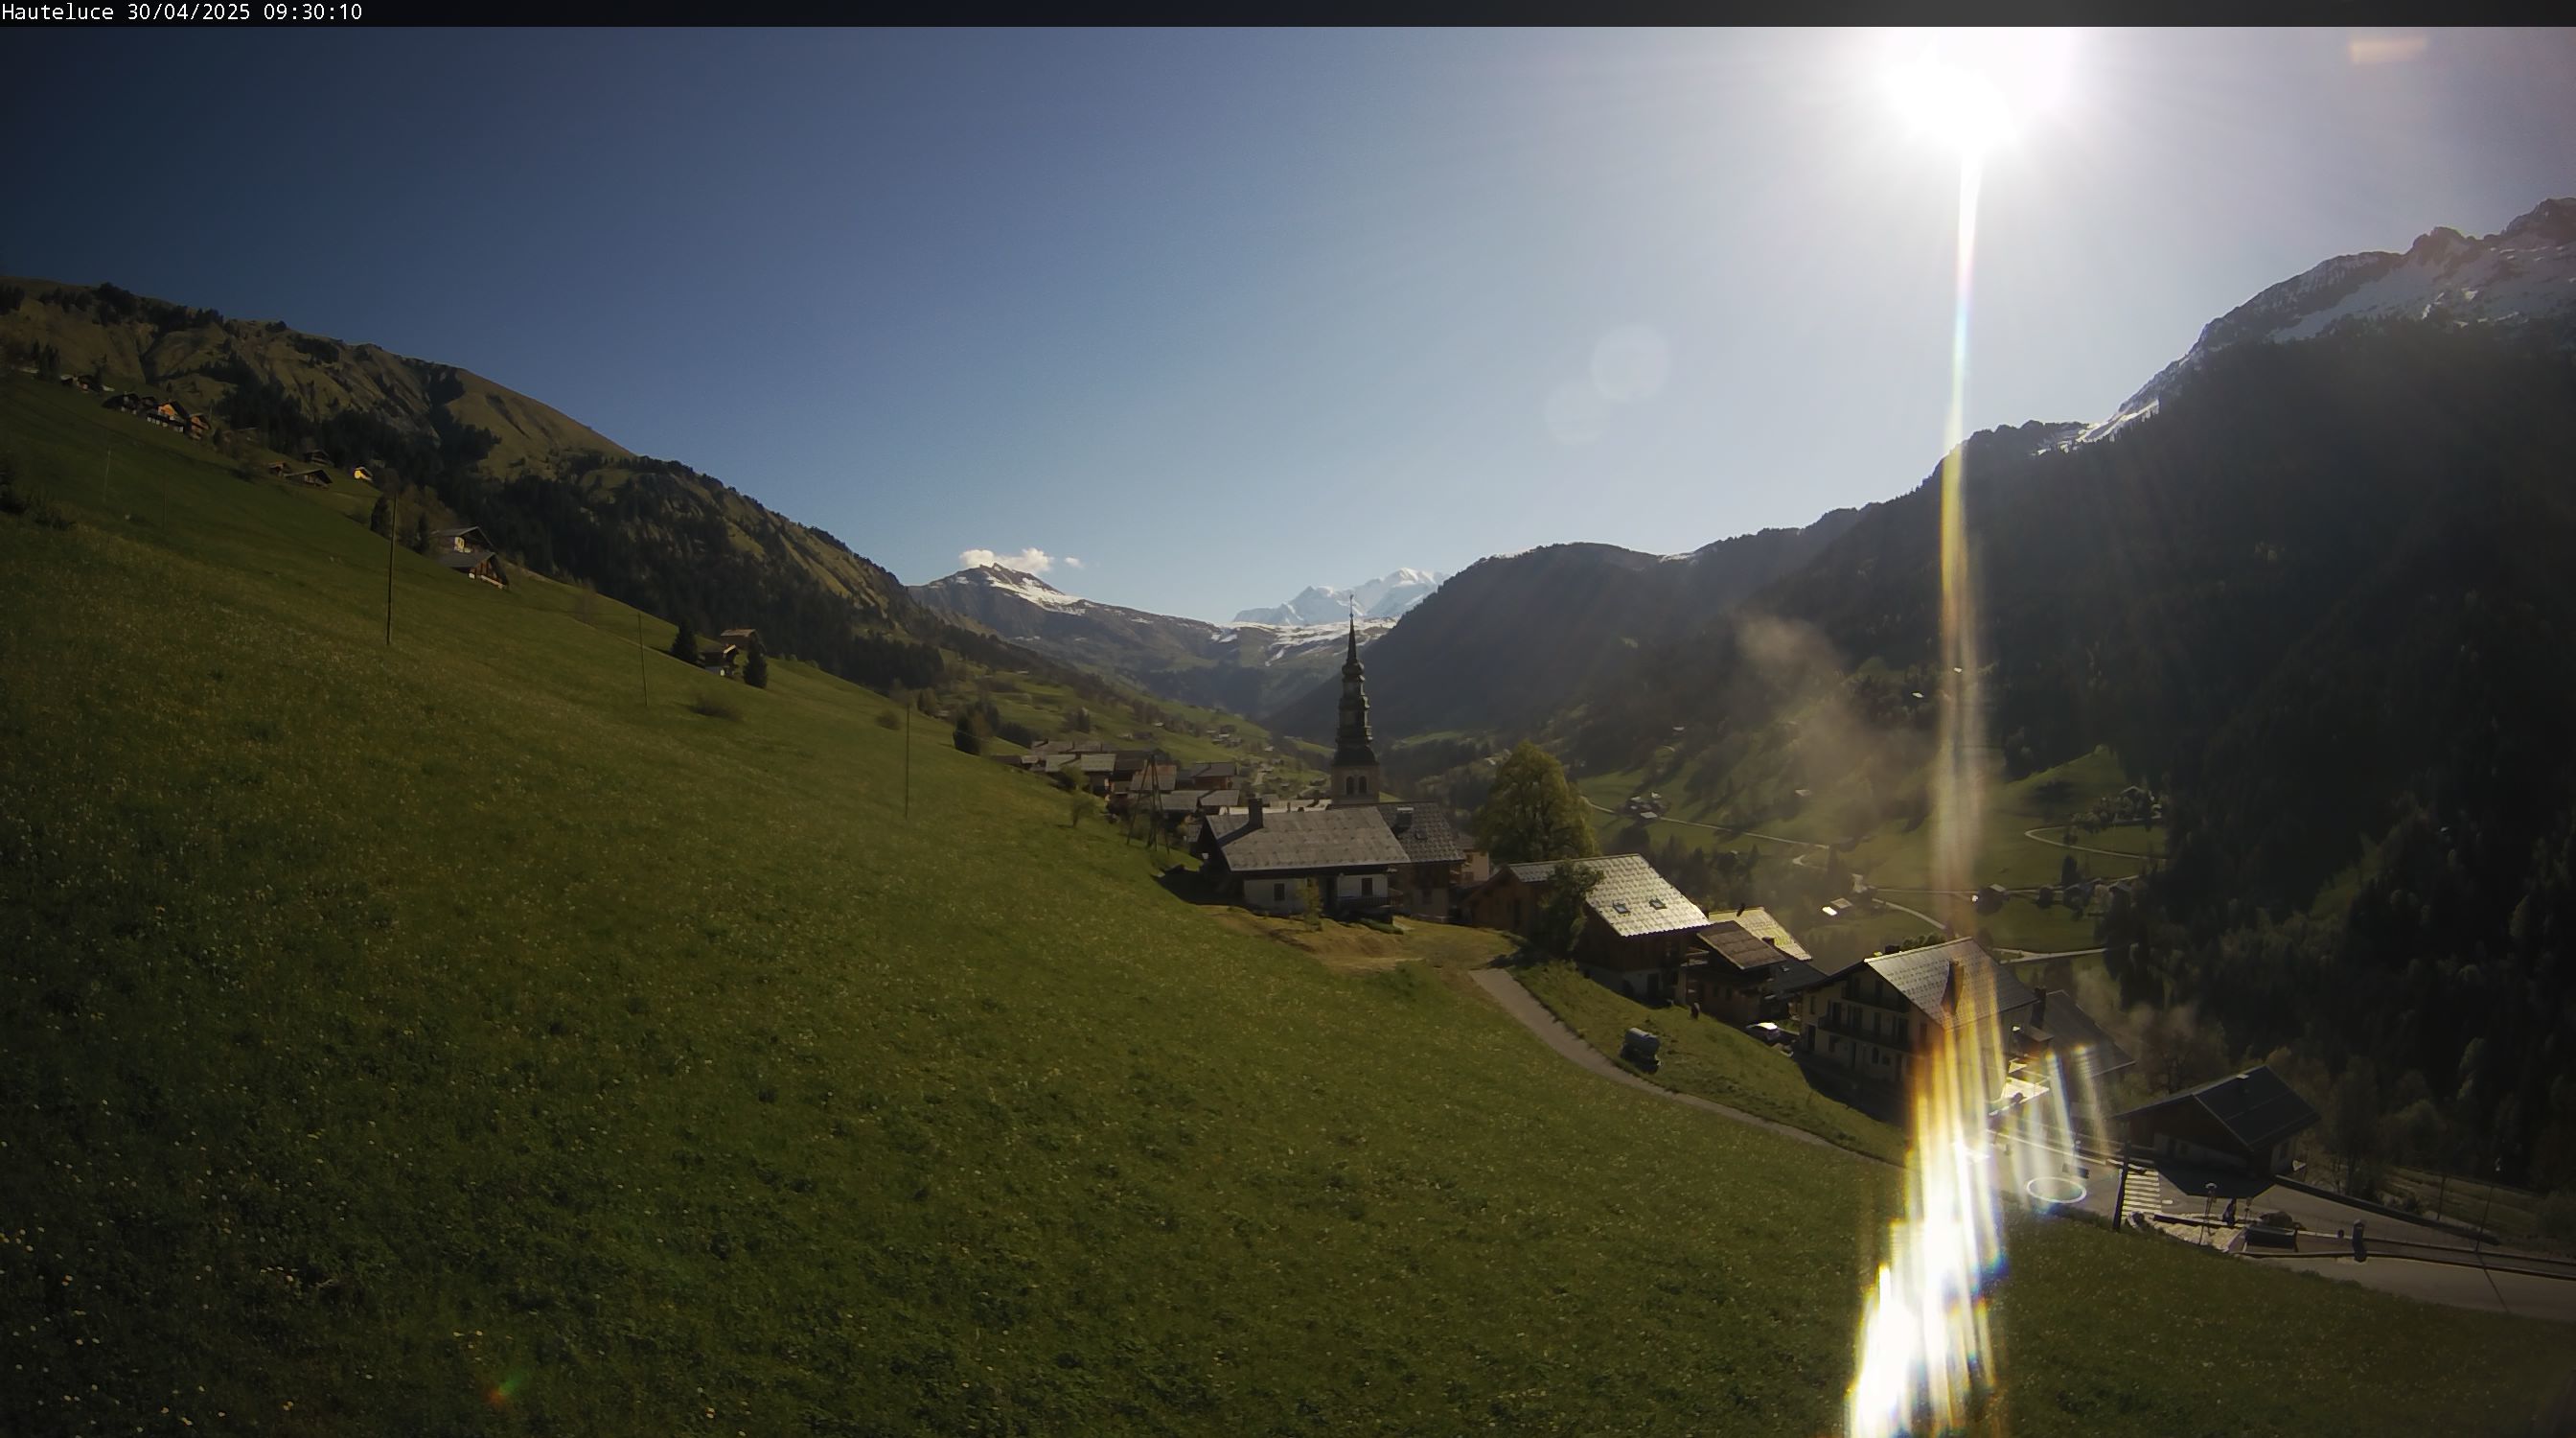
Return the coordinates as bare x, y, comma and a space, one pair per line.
908, 706
643, 675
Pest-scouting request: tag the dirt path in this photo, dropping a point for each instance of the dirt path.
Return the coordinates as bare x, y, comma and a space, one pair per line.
1516, 1001
2041, 835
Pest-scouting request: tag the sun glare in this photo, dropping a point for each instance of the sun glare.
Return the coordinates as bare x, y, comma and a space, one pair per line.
1974, 90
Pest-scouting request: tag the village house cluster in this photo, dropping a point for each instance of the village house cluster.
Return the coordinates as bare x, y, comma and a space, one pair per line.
169, 414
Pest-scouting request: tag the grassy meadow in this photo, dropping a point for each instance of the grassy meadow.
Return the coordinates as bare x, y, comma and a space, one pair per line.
446, 1038
1708, 1057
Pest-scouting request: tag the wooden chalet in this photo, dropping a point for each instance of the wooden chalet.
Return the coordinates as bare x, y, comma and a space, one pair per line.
1873, 1020
2246, 1122
1435, 859
1637, 932
467, 552
1748, 958
1262, 859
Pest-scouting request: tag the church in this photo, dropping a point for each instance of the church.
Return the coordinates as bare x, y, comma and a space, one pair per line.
1365, 854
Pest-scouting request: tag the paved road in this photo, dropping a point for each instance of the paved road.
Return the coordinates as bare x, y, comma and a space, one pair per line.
1516, 1001
2520, 1294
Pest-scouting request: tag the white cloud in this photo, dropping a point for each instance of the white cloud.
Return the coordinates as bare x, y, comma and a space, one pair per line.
1072, 563
1031, 560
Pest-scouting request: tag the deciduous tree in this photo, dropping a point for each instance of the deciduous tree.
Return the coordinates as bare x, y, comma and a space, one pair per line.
1532, 813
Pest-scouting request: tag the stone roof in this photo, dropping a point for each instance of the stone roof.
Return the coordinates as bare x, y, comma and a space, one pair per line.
1631, 898
1308, 841
1759, 923
1425, 831
1925, 977
2255, 1107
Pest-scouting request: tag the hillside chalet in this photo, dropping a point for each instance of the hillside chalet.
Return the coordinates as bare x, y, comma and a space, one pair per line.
2245, 1122
466, 551
1638, 929
1872, 1020
1261, 860
1435, 858
1749, 958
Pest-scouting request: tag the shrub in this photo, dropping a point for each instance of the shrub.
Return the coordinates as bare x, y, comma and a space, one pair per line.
713, 707
888, 721
756, 673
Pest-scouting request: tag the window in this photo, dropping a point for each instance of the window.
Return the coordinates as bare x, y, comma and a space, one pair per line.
1279, 891
1368, 887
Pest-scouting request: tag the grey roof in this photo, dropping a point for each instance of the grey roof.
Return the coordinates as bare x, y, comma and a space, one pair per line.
1308, 840
1740, 947
468, 559
1211, 769
2076, 1034
2255, 1107
1798, 978
1425, 831
1631, 898
1923, 976
453, 533
1758, 922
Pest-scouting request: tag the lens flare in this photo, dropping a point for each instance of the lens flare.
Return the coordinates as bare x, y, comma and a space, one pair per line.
1924, 1344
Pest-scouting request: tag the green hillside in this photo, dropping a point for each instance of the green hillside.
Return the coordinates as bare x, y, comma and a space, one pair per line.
444, 1038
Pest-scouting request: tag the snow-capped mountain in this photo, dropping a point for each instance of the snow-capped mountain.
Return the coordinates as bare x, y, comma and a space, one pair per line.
2522, 274
1242, 666
1386, 597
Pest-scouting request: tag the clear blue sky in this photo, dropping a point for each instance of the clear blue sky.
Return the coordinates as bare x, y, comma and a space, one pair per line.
1224, 314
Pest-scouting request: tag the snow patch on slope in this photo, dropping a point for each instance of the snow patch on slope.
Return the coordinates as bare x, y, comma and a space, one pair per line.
2524, 273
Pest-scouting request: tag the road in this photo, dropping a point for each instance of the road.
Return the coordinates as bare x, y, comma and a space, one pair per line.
1505, 990
2042, 837
2521, 1294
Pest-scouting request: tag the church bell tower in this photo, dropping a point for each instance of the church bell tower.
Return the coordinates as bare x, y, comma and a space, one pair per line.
1356, 775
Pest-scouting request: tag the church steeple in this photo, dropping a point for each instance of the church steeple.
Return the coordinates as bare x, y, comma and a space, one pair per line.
1356, 775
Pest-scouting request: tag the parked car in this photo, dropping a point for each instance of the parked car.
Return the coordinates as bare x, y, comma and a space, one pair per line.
1771, 1033
1639, 1048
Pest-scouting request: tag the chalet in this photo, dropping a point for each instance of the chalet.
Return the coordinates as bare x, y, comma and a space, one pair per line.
281, 467
1435, 859
1878, 1016
1096, 770
1749, 957
1214, 774
1261, 860
318, 478
2244, 1122
746, 640
2057, 1026
466, 551
318, 456
719, 661
1638, 929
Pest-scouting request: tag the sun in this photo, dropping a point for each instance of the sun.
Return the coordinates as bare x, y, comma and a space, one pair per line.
1972, 91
